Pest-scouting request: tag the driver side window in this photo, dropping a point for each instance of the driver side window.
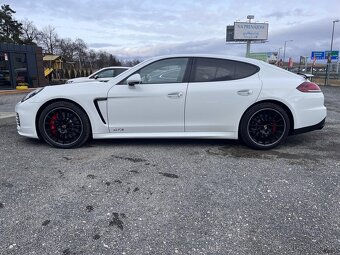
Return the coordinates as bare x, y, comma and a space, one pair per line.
164, 71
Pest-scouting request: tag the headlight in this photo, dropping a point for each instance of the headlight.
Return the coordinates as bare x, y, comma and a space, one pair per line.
69, 81
32, 94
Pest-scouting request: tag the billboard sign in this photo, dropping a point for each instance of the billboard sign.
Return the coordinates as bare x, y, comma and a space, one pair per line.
270, 57
302, 60
250, 31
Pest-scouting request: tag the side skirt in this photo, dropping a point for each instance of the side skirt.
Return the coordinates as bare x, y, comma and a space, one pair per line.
200, 135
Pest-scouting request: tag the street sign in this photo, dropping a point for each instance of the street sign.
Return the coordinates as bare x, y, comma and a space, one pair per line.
318, 55
335, 54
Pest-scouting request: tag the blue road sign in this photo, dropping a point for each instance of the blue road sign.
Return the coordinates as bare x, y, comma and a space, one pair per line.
335, 54
318, 55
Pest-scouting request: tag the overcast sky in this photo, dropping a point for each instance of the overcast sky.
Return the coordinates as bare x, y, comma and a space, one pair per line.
140, 29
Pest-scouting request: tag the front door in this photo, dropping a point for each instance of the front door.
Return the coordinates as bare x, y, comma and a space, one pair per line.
156, 105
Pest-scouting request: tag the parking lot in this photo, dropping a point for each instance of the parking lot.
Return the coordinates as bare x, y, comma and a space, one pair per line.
171, 196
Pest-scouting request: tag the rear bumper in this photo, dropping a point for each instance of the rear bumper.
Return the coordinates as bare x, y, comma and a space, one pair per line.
318, 126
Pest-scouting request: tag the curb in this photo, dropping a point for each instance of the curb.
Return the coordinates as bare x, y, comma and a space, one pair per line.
7, 118
11, 92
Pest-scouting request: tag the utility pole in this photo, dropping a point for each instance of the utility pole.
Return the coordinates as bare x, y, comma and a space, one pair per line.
249, 17
284, 50
329, 58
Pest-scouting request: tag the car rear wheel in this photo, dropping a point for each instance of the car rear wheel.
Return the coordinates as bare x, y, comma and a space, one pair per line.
64, 125
264, 126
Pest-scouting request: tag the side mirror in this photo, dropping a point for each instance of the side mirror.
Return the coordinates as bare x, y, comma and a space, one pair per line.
134, 79
95, 77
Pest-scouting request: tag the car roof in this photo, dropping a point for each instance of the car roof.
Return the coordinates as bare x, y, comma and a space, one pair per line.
259, 63
116, 67
221, 56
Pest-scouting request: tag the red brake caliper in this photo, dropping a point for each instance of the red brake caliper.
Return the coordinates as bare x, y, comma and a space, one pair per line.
52, 125
274, 127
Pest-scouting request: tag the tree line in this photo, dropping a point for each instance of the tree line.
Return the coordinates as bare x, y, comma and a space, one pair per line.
74, 52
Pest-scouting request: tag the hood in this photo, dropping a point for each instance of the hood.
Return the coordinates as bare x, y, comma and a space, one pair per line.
79, 79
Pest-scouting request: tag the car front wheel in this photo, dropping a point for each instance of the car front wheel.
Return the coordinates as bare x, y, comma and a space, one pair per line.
264, 126
64, 125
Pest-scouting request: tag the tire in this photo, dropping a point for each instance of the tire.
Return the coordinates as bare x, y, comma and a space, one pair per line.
64, 125
264, 126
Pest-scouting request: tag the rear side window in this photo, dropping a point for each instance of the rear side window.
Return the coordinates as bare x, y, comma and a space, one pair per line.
211, 69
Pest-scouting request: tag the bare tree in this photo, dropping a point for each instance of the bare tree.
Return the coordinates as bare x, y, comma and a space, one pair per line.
92, 57
80, 51
30, 33
49, 39
67, 49
130, 62
103, 59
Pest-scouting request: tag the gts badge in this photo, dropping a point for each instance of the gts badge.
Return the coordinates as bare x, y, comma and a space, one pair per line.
118, 129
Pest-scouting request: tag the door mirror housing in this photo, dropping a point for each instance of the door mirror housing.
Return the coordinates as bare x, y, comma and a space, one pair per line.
134, 79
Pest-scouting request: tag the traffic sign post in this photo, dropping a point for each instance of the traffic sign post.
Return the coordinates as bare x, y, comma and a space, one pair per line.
335, 54
321, 55
328, 55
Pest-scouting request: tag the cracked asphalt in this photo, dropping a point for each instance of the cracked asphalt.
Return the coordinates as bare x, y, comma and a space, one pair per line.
171, 196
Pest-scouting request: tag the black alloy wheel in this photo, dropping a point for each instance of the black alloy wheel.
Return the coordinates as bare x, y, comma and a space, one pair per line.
64, 125
264, 126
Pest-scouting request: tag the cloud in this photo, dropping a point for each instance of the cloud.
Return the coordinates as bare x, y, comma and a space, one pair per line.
210, 46
284, 14
148, 28
307, 37
101, 45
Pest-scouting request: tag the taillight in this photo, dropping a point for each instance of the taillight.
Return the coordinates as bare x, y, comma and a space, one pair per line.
307, 87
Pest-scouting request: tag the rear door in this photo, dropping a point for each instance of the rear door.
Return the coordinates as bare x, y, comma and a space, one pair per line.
219, 92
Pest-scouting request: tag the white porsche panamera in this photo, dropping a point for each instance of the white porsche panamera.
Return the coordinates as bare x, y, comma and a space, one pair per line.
178, 96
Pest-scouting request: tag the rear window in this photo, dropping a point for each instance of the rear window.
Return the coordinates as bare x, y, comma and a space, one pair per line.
211, 69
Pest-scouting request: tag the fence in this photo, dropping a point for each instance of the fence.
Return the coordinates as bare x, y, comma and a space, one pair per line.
60, 76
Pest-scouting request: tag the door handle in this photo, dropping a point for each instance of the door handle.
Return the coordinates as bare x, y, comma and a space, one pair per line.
175, 95
245, 92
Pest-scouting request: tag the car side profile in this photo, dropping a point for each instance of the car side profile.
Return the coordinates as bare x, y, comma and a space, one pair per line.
178, 96
104, 75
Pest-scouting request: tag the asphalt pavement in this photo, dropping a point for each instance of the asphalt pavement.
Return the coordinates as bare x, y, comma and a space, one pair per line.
171, 196
7, 106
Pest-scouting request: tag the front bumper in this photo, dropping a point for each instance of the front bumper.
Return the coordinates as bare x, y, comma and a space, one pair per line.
25, 115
